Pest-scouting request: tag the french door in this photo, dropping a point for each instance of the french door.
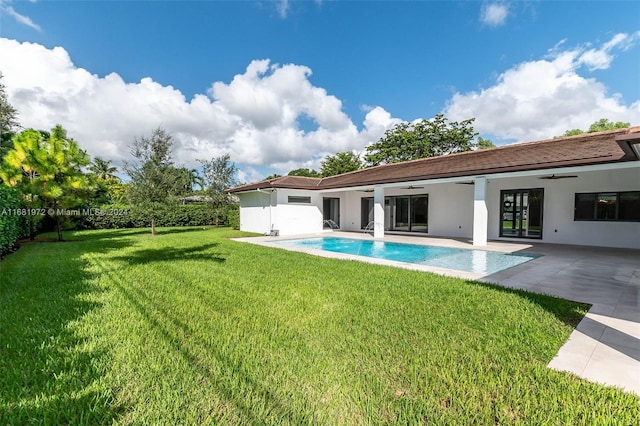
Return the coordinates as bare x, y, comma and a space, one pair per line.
521, 213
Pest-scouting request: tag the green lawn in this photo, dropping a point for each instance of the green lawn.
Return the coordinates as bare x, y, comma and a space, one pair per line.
189, 327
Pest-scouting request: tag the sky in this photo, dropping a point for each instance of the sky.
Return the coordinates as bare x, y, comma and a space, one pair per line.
280, 85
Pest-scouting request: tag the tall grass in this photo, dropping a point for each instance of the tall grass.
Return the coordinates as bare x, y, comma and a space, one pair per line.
191, 328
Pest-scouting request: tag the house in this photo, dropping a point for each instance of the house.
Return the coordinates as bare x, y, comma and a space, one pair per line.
582, 190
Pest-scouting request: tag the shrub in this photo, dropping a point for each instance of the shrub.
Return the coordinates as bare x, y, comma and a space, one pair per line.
11, 223
233, 217
114, 216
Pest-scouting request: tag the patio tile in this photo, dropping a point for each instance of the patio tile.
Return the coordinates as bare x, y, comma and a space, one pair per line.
620, 340
609, 366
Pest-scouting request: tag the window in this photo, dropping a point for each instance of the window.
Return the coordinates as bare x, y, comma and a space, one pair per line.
293, 199
608, 206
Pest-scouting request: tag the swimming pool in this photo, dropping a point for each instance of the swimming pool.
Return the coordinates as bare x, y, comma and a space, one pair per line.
477, 261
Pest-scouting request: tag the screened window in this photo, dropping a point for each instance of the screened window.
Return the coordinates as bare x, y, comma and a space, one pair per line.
608, 206
293, 199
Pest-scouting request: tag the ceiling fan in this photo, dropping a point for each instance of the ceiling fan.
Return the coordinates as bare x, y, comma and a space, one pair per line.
554, 177
413, 187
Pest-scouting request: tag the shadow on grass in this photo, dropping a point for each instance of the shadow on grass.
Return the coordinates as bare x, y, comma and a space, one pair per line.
172, 328
48, 370
164, 231
567, 311
168, 254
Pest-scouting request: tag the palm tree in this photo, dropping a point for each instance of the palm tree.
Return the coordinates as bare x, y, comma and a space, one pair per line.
103, 170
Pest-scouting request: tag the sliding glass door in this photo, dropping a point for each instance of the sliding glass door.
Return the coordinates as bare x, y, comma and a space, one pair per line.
521, 213
399, 213
409, 213
331, 212
419, 213
366, 212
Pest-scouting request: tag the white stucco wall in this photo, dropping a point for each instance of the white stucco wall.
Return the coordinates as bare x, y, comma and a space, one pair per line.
350, 210
298, 218
256, 213
450, 210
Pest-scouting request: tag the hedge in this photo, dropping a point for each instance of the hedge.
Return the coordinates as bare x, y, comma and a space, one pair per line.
122, 216
11, 219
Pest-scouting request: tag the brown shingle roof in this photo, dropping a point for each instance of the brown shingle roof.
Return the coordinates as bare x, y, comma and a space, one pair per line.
590, 148
291, 182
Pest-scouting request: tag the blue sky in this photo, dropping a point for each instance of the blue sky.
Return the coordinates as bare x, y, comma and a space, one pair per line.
280, 85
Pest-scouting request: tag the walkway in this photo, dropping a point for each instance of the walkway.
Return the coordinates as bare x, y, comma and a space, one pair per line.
605, 346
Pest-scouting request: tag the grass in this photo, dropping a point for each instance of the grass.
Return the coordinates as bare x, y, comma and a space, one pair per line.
189, 327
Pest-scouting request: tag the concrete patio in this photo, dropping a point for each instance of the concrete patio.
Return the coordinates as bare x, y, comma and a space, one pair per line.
605, 346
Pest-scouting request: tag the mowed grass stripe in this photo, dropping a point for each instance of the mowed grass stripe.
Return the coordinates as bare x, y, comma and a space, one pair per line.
192, 328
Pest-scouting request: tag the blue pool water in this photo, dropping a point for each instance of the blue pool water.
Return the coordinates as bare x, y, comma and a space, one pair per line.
478, 261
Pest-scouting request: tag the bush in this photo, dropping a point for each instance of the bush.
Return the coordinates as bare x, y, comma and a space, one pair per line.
114, 216
233, 217
11, 223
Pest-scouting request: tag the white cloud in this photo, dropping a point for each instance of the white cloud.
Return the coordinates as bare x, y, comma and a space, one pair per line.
494, 14
283, 8
254, 117
598, 59
25, 20
544, 98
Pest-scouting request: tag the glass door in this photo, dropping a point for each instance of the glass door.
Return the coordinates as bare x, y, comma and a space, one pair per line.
521, 213
366, 212
400, 214
331, 213
419, 213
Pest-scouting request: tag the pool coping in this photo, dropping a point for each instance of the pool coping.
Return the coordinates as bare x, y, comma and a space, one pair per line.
603, 348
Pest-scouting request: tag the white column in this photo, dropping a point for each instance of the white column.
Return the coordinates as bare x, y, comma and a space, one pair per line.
378, 212
480, 214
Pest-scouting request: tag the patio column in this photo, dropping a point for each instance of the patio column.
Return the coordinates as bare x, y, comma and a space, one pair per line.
378, 212
480, 214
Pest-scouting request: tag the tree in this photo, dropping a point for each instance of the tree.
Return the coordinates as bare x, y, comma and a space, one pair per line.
483, 143
20, 169
573, 132
47, 171
106, 181
103, 170
342, 162
424, 138
187, 179
8, 121
273, 176
66, 186
153, 181
604, 124
599, 126
220, 173
304, 172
